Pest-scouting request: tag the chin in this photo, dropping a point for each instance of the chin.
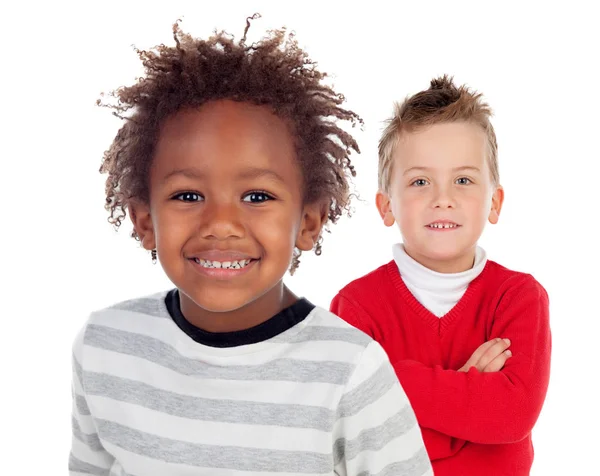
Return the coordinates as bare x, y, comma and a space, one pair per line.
213, 300
219, 305
440, 250
442, 255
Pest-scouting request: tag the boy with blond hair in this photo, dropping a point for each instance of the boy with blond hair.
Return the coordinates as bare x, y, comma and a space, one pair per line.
468, 338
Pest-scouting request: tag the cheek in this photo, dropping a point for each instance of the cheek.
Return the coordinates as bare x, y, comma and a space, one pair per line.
276, 230
478, 205
173, 231
407, 206
171, 226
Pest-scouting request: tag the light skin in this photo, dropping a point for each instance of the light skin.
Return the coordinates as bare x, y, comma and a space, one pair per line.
489, 356
226, 190
441, 174
441, 195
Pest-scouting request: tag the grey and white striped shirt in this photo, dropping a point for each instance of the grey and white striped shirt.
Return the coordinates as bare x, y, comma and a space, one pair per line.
319, 398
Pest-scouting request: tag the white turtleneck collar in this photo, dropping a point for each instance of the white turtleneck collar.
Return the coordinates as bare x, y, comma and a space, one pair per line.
437, 292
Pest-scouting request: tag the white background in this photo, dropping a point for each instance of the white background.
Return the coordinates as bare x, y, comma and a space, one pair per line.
535, 63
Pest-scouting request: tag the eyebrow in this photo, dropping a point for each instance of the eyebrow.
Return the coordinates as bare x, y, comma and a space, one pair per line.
189, 173
455, 169
257, 172
250, 173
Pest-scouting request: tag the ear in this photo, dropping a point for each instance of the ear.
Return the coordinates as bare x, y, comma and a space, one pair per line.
139, 213
497, 200
313, 218
384, 205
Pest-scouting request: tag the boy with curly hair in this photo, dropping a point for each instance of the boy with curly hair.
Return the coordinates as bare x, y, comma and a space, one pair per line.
229, 164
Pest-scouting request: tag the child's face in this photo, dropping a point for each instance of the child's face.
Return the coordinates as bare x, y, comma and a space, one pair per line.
441, 177
226, 206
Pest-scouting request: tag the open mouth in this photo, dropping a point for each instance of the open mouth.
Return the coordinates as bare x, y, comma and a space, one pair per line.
445, 226
238, 264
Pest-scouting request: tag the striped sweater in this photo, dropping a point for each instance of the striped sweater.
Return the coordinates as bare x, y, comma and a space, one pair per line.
151, 397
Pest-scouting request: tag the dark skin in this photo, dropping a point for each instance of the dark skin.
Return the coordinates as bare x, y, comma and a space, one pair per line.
225, 212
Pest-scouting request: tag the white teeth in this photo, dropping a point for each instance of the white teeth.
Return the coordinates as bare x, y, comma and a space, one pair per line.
442, 225
222, 264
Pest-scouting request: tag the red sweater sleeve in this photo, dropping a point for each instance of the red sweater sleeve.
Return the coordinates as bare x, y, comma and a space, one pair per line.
437, 444
495, 407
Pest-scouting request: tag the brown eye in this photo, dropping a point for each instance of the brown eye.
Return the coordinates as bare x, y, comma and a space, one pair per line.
257, 197
189, 197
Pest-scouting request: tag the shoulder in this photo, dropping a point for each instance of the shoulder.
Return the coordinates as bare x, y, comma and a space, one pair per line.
509, 280
132, 316
344, 338
368, 296
373, 280
327, 325
517, 294
362, 352
151, 305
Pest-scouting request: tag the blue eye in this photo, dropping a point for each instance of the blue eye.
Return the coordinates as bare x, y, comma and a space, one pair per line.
257, 197
463, 181
419, 182
189, 197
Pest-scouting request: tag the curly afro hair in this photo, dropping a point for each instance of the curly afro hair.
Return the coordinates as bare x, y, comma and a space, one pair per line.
274, 72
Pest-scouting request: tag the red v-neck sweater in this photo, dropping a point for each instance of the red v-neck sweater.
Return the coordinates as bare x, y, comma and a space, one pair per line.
473, 423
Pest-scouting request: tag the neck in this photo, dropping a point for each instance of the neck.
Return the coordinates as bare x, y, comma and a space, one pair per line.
456, 264
251, 314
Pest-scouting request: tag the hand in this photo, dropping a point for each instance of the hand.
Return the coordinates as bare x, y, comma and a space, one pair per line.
489, 356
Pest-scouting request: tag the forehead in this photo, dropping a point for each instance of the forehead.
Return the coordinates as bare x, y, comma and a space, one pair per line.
442, 145
225, 135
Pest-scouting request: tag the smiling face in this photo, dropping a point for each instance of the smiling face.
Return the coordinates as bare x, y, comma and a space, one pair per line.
226, 211
441, 194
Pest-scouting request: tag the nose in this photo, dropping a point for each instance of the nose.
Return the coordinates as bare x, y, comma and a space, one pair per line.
443, 198
221, 221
